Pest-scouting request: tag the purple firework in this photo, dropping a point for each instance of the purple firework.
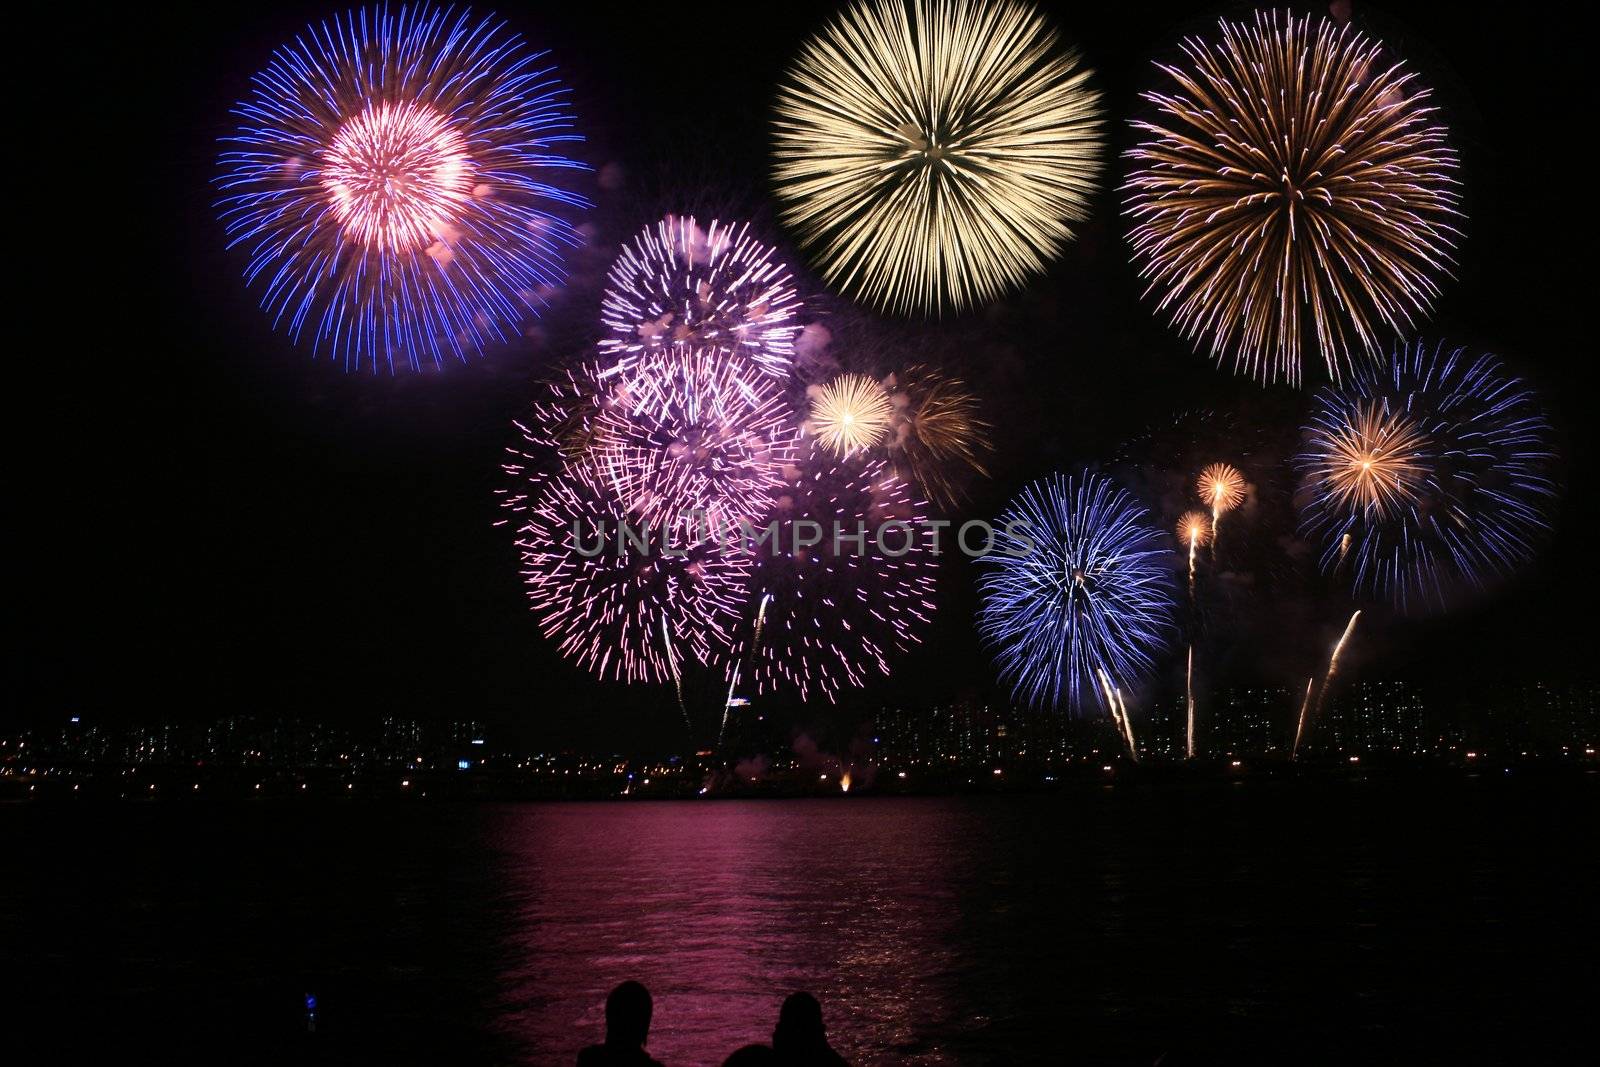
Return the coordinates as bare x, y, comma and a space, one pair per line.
693, 430
830, 614
679, 284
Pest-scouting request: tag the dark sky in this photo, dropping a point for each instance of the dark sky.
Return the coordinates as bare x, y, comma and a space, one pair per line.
213, 520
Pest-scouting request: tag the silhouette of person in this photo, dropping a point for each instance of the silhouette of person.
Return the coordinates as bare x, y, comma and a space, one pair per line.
628, 1011
799, 1038
751, 1056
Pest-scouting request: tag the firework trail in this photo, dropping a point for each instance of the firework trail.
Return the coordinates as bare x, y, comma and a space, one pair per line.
1333, 662
932, 154
694, 430
1188, 683
1119, 714
850, 414
679, 284
390, 180
1426, 476
1292, 192
1078, 586
1193, 528
1327, 682
1305, 709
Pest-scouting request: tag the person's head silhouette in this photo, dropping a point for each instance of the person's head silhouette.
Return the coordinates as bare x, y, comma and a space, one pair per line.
799, 1025
628, 1011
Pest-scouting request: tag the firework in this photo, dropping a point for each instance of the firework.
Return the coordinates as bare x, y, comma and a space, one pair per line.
832, 614
620, 611
391, 181
1188, 691
1429, 475
936, 431
1222, 487
1078, 583
1305, 709
932, 154
1194, 529
1374, 463
677, 283
850, 414
557, 431
1119, 714
1308, 711
1292, 188
694, 430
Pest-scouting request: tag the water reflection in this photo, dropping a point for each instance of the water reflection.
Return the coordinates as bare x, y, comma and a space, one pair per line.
724, 909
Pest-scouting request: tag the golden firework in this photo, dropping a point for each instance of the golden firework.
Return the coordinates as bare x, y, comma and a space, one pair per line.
1292, 187
933, 154
850, 413
938, 432
1374, 462
1194, 528
1222, 488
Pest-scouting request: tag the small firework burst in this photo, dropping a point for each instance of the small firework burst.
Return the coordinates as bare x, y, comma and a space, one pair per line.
1375, 463
677, 283
1293, 188
1194, 529
1222, 488
850, 414
391, 179
933, 154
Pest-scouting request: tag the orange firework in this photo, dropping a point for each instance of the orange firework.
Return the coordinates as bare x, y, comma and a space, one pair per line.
1222, 488
1374, 461
1292, 193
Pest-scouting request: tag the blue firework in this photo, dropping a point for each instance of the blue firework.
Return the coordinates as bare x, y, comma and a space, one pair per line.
1427, 477
392, 182
1078, 591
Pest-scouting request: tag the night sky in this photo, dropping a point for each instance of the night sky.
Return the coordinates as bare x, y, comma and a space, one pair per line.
213, 521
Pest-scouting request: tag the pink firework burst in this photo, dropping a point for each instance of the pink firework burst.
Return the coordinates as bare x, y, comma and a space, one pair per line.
694, 430
829, 615
621, 611
679, 284
397, 175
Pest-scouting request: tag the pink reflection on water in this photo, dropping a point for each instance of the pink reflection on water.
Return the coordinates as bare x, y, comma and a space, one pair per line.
724, 908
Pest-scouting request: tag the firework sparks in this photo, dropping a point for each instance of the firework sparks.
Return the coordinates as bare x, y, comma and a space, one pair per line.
850, 414
677, 283
837, 610
934, 153
937, 431
390, 182
1293, 187
1222, 487
694, 430
1430, 474
619, 613
1078, 584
